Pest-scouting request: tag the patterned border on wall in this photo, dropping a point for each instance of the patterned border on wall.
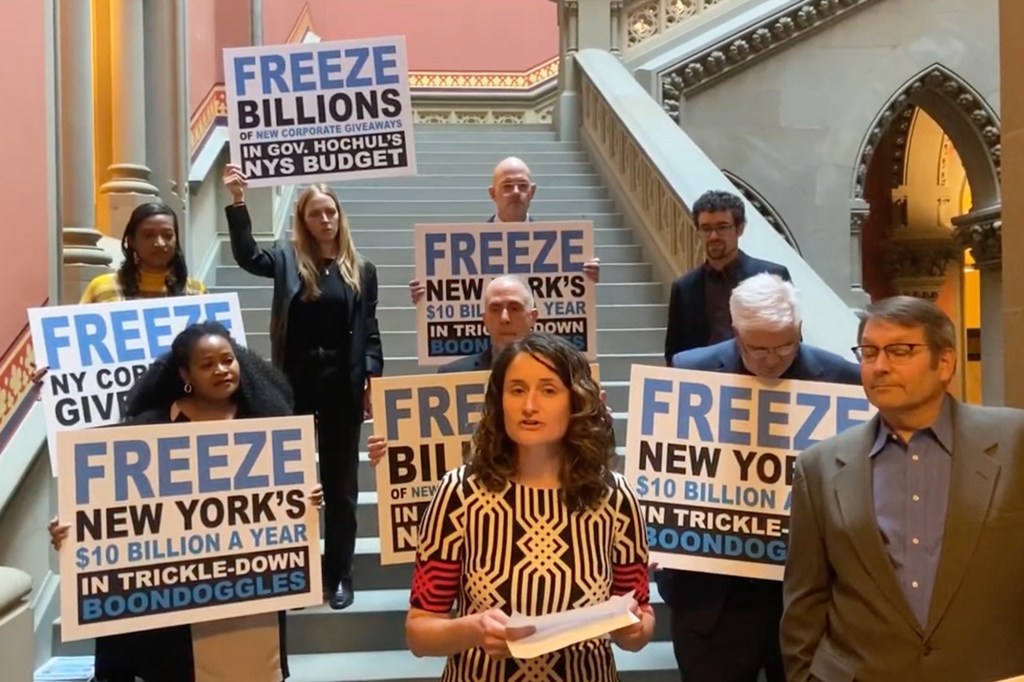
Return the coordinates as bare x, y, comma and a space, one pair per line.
210, 114
491, 80
752, 44
16, 389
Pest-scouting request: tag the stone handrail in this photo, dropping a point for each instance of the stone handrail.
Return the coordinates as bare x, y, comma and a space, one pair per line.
657, 172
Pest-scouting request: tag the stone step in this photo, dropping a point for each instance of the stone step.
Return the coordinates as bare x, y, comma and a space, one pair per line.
376, 622
398, 254
425, 209
389, 296
655, 663
611, 273
469, 154
403, 343
393, 221
433, 132
404, 317
483, 166
545, 181
471, 193
498, 148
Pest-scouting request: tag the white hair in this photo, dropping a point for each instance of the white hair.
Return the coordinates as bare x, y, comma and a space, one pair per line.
528, 301
764, 302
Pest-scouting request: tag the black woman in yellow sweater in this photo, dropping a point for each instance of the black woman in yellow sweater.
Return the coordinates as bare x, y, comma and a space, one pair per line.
153, 263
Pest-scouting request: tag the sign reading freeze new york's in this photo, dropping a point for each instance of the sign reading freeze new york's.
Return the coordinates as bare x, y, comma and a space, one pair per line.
314, 112
186, 522
711, 457
457, 262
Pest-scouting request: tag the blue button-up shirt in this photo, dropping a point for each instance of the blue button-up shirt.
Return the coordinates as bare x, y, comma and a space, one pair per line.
910, 482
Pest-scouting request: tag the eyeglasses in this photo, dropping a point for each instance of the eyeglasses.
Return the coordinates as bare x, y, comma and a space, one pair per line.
721, 228
897, 353
778, 351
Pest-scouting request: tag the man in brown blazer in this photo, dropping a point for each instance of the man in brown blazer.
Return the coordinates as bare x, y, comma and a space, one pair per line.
906, 555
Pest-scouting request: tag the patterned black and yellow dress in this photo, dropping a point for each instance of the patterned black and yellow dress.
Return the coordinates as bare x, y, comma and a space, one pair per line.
522, 550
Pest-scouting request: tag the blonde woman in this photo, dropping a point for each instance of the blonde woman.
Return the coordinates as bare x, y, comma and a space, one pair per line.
325, 337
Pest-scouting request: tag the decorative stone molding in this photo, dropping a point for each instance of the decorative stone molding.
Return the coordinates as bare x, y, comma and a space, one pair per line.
762, 206
919, 269
766, 37
648, 19
485, 110
982, 233
952, 88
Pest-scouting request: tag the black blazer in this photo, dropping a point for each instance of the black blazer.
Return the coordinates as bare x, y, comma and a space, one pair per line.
470, 363
279, 263
687, 318
697, 598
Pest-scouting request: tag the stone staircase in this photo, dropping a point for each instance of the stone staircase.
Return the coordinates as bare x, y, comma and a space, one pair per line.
367, 641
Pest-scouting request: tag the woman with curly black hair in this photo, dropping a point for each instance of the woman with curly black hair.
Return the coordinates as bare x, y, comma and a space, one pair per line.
536, 523
205, 376
153, 264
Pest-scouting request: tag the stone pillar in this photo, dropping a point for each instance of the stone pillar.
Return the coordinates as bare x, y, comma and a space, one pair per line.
981, 232
567, 109
1011, 95
858, 216
83, 258
616, 28
128, 177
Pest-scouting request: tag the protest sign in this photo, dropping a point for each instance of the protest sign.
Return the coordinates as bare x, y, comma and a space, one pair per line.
94, 352
456, 263
711, 458
185, 523
316, 112
428, 421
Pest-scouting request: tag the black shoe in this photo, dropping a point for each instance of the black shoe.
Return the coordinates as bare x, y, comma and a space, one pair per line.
343, 596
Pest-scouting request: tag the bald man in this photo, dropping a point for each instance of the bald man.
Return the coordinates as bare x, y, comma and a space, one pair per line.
512, 189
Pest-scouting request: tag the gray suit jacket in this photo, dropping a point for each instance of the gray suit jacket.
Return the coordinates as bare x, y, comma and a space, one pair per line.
845, 615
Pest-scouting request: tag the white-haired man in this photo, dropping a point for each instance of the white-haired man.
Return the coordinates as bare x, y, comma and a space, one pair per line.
725, 627
509, 314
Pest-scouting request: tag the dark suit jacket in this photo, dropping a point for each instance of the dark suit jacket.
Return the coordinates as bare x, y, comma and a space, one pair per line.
845, 616
279, 263
697, 598
687, 318
470, 363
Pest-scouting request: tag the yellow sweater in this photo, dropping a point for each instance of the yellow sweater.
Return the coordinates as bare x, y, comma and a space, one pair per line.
106, 289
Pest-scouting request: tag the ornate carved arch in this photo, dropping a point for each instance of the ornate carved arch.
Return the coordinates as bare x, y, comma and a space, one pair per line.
961, 111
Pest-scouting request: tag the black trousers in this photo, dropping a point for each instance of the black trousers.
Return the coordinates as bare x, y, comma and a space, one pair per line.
322, 389
743, 641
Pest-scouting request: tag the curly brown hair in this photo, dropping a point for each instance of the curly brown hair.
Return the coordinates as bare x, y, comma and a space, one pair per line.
589, 442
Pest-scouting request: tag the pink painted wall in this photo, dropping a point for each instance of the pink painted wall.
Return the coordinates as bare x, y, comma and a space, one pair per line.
212, 26
23, 173
441, 35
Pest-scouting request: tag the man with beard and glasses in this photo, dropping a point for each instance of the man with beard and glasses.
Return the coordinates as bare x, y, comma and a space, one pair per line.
698, 309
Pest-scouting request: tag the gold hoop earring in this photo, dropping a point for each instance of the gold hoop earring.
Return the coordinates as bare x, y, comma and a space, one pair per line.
188, 387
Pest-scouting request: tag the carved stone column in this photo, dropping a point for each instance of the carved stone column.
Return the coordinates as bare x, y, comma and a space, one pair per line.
981, 232
128, 177
83, 258
566, 114
918, 267
616, 28
858, 216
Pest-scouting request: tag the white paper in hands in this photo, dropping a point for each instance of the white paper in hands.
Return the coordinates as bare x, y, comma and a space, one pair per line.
558, 630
